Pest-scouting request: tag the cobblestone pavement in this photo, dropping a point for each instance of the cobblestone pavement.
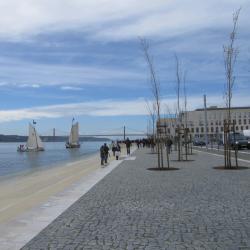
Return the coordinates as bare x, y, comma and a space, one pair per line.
195, 207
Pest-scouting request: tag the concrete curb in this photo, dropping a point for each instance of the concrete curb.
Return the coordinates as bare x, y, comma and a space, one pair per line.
21, 230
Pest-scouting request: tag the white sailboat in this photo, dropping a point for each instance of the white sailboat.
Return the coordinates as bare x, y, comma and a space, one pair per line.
34, 142
73, 141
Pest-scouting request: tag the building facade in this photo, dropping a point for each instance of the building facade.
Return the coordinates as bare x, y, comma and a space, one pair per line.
195, 121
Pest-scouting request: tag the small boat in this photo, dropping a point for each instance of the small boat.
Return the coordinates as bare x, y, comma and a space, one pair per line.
21, 148
73, 141
34, 142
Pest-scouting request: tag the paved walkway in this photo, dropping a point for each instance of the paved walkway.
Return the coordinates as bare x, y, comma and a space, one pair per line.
196, 207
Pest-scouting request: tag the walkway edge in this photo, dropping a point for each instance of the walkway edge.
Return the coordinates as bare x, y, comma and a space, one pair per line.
22, 229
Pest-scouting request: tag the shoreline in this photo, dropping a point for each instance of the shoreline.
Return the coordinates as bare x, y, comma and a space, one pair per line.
25, 191
26, 172
31, 202
21, 163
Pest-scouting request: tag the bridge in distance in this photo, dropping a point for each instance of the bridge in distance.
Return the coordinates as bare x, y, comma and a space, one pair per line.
121, 135
120, 132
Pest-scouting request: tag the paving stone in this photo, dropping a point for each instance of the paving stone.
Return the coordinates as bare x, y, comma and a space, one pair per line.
196, 207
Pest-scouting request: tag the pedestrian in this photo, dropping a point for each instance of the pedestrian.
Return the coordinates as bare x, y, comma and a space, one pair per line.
117, 151
106, 153
113, 147
128, 144
102, 154
169, 145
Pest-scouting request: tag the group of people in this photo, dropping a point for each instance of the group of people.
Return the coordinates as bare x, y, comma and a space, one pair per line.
116, 150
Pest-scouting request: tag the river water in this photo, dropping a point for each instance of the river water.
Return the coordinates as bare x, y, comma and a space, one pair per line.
13, 163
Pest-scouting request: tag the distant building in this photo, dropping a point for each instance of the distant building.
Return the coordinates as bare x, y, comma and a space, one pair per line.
215, 118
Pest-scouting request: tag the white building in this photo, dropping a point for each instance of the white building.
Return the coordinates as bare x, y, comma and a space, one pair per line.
215, 118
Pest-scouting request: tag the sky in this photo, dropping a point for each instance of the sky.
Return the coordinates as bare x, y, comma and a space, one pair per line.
82, 58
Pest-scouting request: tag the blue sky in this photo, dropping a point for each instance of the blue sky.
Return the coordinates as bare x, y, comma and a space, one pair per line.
82, 59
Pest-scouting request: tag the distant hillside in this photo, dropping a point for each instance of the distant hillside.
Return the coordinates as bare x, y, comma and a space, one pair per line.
20, 138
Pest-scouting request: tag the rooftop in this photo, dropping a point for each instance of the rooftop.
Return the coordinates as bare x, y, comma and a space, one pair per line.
216, 108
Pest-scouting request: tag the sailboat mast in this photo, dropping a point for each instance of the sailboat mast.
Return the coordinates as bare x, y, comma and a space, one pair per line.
36, 138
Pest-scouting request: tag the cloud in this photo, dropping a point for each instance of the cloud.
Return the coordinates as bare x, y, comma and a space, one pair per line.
115, 20
70, 88
24, 74
35, 86
112, 108
3, 84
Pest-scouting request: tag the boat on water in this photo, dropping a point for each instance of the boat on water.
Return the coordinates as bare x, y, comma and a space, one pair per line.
34, 142
73, 141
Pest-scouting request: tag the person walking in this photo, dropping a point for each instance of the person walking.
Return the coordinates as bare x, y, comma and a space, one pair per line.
117, 151
102, 154
169, 145
106, 153
128, 145
113, 147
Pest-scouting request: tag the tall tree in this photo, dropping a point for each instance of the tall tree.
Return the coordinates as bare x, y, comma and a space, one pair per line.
179, 113
230, 55
155, 88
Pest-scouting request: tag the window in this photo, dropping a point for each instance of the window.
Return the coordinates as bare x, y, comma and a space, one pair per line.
197, 130
221, 129
241, 128
192, 130
212, 129
246, 127
239, 122
202, 130
245, 121
237, 128
217, 129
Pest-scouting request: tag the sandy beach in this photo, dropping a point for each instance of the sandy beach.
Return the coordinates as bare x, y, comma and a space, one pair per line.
20, 194
30, 202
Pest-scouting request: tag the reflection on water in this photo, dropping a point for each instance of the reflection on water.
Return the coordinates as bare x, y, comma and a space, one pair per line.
13, 162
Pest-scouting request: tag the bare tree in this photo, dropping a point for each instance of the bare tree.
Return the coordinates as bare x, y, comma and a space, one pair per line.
155, 88
230, 56
152, 114
179, 113
185, 114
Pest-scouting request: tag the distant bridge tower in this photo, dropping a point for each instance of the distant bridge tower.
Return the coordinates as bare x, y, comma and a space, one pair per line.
124, 133
54, 133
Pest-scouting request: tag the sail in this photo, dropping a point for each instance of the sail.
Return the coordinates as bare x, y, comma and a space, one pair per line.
31, 143
74, 134
34, 141
39, 141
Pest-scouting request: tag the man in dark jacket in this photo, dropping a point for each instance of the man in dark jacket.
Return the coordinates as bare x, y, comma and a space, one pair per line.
128, 144
106, 152
102, 154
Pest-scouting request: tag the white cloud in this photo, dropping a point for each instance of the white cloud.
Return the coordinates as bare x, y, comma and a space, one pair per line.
111, 108
24, 74
25, 85
70, 88
3, 84
114, 19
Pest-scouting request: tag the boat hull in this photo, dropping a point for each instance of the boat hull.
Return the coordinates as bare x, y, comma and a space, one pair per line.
34, 149
21, 150
72, 145
30, 150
